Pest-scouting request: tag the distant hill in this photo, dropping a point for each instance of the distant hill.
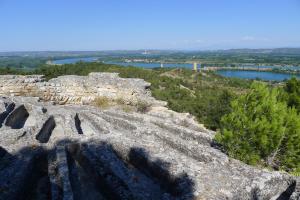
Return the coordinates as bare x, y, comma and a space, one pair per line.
283, 51
262, 51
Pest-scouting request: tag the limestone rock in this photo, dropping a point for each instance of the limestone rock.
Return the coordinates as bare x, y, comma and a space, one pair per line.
78, 89
74, 151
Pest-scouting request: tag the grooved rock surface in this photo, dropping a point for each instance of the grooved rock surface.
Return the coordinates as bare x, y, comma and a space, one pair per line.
82, 152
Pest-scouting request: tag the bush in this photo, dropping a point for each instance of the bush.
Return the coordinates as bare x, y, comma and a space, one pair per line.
292, 90
261, 129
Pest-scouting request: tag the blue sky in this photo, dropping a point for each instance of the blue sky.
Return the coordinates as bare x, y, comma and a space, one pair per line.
148, 24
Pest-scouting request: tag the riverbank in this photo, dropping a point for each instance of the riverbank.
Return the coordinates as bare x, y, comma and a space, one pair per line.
257, 69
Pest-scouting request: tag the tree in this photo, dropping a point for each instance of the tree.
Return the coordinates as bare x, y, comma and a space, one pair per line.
292, 89
262, 129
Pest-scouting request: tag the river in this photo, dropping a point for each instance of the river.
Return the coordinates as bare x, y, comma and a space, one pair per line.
269, 76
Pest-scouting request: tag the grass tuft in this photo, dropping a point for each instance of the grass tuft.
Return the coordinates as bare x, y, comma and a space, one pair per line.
142, 106
102, 102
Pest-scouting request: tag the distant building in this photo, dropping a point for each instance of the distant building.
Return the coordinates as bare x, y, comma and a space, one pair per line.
195, 67
145, 52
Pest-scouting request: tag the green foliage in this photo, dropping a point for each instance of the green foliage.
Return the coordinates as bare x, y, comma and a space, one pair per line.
213, 106
292, 90
8, 70
261, 129
21, 62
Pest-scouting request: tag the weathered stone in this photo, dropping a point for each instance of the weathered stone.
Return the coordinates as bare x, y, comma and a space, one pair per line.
94, 85
83, 152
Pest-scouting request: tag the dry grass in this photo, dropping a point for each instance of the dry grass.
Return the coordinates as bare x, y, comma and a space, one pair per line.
139, 106
127, 108
120, 101
101, 102
142, 106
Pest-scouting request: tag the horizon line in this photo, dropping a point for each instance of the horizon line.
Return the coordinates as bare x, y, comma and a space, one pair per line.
191, 50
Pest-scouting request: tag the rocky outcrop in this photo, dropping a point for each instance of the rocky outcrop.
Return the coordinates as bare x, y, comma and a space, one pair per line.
77, 89
82, 152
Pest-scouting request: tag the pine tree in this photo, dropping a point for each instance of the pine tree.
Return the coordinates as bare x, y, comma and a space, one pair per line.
292, 89
262, 129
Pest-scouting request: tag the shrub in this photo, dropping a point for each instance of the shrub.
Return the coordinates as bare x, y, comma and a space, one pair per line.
292, 90
262, 130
